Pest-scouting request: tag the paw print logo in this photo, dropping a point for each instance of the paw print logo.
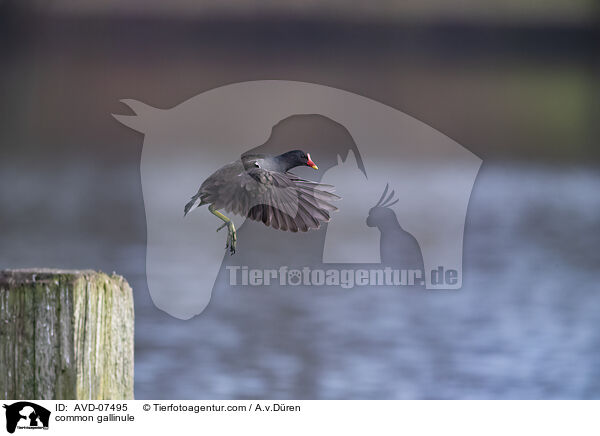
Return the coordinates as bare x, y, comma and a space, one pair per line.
294, 277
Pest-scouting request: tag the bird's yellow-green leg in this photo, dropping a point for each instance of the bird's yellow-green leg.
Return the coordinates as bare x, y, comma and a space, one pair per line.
231, 234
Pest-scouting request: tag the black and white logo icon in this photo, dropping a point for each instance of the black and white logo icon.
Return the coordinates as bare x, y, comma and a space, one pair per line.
26, 415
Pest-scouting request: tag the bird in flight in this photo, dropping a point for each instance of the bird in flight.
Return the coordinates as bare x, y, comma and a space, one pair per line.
260, 187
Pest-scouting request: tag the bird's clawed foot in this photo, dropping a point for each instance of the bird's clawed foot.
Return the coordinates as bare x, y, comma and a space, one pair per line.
231, 237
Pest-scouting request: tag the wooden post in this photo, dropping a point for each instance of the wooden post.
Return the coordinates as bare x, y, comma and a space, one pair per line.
65, 335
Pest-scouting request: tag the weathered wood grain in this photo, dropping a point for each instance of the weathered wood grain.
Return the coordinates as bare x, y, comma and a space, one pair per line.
65, 335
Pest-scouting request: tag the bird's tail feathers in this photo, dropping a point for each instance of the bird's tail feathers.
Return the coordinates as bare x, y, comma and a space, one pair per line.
192, 204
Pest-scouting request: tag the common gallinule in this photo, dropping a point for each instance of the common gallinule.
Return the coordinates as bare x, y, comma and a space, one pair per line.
259, 187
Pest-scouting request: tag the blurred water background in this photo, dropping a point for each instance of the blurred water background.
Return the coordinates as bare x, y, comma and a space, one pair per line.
515, 82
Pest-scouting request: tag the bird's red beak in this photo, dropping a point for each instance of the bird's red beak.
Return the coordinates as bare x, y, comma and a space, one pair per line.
310, 163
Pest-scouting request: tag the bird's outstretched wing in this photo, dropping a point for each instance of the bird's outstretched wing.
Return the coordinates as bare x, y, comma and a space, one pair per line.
288, 202
283, 201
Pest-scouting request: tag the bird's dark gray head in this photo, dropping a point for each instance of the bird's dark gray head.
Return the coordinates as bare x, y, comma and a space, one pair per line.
296, 158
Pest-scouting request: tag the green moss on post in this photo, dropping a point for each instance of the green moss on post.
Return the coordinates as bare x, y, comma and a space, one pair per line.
65, 335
